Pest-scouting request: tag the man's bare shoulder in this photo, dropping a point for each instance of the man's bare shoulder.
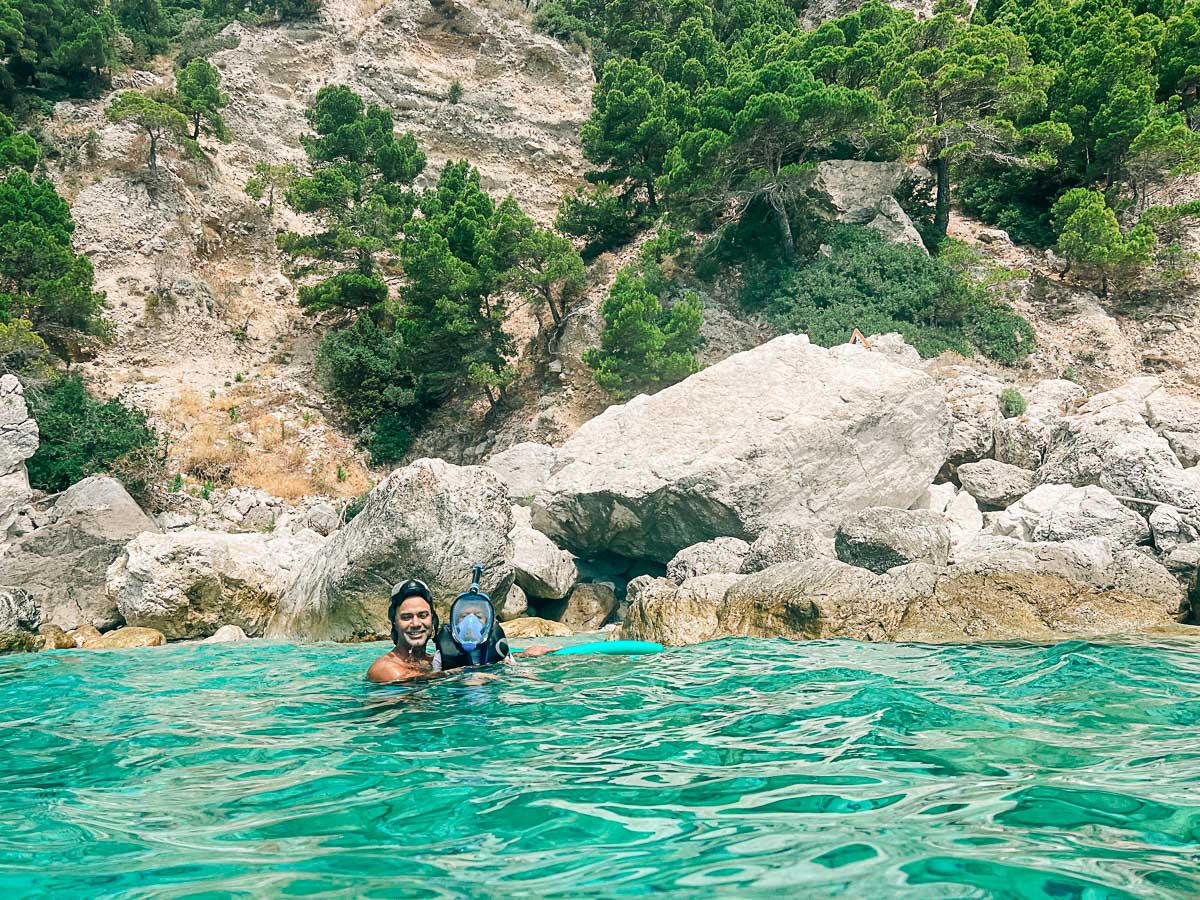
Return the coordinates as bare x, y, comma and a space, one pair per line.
388, 669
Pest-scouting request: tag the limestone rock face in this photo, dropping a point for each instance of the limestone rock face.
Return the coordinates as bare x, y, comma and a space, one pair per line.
821, 598
542, 570
1021, 441
785, 434
676, 615
18, 442
19, 621
525, 468
864, 193
62, 565
187, 584
1170, 529
882, 538
720, 556
54, 638
995, 484
1060, 512
1005, 589
974, 400
429, 520
786, 543
531, 627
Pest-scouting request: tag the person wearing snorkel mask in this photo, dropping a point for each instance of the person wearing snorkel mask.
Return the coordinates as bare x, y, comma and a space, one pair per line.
473, 636
414, 622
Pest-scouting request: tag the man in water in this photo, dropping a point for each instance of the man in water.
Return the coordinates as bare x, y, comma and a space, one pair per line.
414, 623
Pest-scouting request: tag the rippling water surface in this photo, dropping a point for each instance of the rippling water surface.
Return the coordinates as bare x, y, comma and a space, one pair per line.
737, 768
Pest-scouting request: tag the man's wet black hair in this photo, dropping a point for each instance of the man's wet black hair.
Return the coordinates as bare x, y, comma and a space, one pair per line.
414, 587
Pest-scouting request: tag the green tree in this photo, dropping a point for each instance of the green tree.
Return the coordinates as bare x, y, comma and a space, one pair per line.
1179, 57
550, 271
630, 130
457, 257
1091, 240
359, 191
66, 46
18, 149
42, 279
962, 90
755, 136
154, 112
269, 179
144, 22
198, 95
643, 344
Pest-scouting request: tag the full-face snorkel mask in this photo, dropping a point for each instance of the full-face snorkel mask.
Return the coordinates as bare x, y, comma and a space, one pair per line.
472, 615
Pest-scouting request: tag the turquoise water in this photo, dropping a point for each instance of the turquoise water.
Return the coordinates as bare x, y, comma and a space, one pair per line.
734, 769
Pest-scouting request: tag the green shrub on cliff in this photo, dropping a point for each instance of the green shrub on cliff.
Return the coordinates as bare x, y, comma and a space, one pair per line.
877, 287
81, 436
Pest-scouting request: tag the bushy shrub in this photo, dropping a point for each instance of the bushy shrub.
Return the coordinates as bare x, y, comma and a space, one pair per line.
878, 287
1012, 403
81, 436
644, 343
553, 19
601, 217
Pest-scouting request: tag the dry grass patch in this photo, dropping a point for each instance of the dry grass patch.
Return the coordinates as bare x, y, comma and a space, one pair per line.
258, 435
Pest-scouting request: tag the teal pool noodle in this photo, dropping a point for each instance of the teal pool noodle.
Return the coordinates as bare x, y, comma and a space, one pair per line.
610, 648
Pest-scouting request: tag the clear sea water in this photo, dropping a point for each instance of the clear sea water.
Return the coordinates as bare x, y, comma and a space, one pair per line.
735, 769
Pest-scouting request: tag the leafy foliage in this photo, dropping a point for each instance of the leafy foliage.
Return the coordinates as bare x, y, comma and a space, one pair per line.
1012, 403
877, 287
155, 113
81, 436
1091, 240
199, 97
42, 279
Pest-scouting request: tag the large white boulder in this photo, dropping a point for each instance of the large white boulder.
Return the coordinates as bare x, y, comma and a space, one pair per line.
429, 520
787, 433
974, 399
786, 543
62, 565
187, 584
525, 468
676, 614
1060, 512
995, 484
542, 570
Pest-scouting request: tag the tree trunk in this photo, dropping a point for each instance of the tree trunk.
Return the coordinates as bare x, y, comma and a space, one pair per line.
785, 227
196, 127
554, 313
650, 191
941, 210
153, 151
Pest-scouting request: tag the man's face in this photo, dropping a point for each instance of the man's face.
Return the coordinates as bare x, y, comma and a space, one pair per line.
415, 622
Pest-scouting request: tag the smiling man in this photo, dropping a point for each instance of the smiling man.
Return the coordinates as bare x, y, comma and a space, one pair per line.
413, 624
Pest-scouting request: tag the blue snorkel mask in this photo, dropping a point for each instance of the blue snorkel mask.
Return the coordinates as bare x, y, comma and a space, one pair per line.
472, 615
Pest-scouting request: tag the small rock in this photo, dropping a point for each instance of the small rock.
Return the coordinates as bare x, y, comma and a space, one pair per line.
994, 483
1060, 512
993, 236
964, 520
532, 627
588, 606
786, 543
718, 556
1170, 529
54, 638
127, 639
322, 518
1186, 446
173, 521
882, 538
542, 570
227, 634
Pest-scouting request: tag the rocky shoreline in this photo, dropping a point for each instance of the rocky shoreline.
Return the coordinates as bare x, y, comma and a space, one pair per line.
787, 491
